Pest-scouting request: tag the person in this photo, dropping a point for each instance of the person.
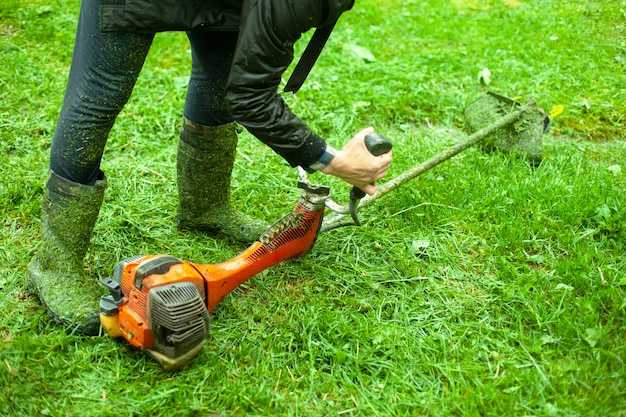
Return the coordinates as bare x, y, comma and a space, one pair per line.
239, 50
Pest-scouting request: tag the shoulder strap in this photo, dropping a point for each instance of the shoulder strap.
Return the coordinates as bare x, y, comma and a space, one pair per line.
308, 58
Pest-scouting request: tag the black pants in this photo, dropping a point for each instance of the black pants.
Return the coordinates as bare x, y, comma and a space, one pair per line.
102, 76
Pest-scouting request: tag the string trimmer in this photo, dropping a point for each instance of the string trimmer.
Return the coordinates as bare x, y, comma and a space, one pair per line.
518, 131
161, 304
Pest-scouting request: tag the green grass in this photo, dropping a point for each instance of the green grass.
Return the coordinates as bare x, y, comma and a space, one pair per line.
485, 287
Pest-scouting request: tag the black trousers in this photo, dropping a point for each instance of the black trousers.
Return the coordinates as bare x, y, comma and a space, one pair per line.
104, 69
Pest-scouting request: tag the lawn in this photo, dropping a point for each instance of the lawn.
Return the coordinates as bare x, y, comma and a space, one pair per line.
485, 287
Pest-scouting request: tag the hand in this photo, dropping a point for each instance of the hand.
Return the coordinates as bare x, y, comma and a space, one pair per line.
357, 166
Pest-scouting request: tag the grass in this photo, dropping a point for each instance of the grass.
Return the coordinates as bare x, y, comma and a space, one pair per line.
485, 287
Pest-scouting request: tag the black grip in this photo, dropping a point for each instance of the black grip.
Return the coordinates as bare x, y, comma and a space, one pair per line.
377, 144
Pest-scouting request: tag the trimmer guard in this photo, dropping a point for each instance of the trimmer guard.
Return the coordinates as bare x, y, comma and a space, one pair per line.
523, 137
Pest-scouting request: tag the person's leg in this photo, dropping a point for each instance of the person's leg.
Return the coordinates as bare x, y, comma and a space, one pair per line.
208, 141
211, 58
102, 75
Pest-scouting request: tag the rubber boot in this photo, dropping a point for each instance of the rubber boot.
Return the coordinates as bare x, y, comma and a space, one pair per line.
55, 274
206, 155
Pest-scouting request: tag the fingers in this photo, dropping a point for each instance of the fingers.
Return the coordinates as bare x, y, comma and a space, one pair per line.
385, 161
381, 164
367, 131
370, 189
356, 165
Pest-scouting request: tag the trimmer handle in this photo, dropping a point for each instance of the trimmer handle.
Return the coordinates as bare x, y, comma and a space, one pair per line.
377, 144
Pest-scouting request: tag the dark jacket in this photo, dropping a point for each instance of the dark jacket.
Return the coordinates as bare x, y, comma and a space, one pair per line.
268, 32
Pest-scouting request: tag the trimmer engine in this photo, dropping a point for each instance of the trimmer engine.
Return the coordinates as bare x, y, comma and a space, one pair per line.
179, 318
161, 303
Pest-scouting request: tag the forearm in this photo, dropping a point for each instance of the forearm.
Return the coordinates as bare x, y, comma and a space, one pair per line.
264, 52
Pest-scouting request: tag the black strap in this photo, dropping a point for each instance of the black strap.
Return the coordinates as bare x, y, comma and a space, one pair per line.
308, 58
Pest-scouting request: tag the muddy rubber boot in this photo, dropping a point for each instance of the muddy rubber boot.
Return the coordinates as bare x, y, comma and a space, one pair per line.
55, 274
206, 155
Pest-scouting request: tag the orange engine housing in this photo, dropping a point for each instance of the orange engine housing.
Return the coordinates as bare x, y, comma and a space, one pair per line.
161, 303
163, 271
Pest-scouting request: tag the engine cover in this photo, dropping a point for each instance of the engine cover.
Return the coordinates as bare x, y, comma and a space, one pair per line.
179, 322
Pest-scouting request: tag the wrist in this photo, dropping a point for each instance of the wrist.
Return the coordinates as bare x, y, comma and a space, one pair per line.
323, 161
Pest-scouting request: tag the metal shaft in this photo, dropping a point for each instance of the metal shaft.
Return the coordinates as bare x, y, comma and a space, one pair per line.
334, 220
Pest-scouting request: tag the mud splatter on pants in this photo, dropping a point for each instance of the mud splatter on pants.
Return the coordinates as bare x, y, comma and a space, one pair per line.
104, 69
